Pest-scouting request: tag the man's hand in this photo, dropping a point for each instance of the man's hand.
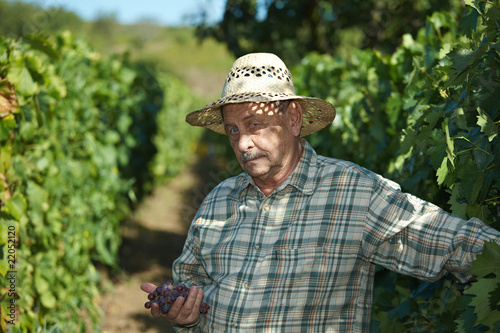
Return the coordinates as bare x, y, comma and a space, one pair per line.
182, 312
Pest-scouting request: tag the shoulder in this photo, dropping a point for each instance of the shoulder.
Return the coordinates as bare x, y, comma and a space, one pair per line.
345, 173
343, 169
222, 195
228, 188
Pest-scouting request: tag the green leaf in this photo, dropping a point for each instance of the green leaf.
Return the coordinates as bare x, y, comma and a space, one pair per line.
41, 43
492, 28
38, 197
468, 318
487, 307
486, 311
16, 206
4, 267
58, 87
7, 126
443, 172
105, 253
33, 63
437, 150
475, 4
433, 116
440, 19
5, 159
41, 284
477, 210
464, 63
3, 50
488, 261
38, 203
3, 233
48, 300
494, 298
468, 23
393, 106
21, 78
471, 179
487, 125
408, 140
127, 75
458, 207
416, 73
27, 130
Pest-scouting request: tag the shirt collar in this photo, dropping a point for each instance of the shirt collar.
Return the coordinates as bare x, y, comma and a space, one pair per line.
302, 176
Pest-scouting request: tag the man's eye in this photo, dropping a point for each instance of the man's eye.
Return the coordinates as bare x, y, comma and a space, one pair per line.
233, 130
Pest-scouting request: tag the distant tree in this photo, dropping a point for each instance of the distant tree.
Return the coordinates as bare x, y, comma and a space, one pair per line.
291, 28
104, 23
18, 19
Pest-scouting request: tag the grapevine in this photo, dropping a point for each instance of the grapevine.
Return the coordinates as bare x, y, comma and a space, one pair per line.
80, 136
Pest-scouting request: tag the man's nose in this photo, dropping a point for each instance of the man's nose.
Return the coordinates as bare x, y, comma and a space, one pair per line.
245, 142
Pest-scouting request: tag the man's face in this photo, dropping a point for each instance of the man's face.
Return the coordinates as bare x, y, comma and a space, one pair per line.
262, 138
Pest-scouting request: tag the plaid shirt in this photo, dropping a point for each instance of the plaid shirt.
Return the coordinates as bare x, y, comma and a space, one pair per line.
303, 258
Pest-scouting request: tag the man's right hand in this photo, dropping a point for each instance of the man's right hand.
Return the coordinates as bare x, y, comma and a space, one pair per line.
183, 311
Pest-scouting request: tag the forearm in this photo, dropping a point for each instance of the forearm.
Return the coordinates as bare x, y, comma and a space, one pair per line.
435, 244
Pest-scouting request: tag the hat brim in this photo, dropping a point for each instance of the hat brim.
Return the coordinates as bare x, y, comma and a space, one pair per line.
316, 113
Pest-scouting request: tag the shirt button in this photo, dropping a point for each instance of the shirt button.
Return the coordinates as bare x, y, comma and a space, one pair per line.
266, 208
257, 247
246, 285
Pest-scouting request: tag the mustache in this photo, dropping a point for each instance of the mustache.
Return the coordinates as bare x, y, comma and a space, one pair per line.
250, 155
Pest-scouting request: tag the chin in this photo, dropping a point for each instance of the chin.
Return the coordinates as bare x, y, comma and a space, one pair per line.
256, 171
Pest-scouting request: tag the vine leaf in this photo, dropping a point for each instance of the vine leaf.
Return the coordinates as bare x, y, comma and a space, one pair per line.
465, 61
7, 125
21, 78
457, 204
468, 23
486, 311
487, 125
40, 42
16, 206
487, 264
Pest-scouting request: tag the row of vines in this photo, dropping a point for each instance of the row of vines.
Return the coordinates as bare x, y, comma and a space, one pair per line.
79, 143
428, 117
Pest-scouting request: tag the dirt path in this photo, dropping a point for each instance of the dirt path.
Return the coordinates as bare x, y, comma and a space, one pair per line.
152, 239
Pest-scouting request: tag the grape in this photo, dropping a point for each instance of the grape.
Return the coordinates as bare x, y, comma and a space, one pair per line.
166, 294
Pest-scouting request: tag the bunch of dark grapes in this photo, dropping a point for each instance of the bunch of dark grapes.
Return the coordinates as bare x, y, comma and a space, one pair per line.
166, 294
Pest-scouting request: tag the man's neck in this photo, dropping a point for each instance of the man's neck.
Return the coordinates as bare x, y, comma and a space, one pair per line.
267, 186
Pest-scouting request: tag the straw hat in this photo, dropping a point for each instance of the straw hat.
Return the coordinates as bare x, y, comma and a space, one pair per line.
262, 77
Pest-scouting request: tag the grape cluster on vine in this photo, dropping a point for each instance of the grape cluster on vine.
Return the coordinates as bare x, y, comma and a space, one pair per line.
166, 294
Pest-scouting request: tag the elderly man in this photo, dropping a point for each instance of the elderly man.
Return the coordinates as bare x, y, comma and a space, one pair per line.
291, 243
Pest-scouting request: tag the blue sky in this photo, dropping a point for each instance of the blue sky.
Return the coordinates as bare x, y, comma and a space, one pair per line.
167, 12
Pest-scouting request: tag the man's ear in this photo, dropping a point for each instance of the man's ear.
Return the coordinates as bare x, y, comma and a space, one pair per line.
295, 116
